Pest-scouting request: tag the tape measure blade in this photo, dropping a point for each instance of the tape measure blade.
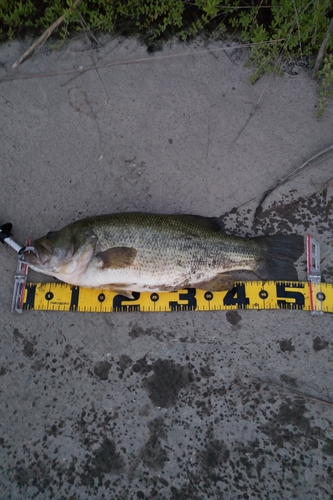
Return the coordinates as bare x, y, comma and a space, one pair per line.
253, 295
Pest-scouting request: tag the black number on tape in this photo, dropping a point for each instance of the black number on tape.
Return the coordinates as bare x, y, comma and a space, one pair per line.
236, 297
297, 298
74, 298
189, 297
119, 306
30, 300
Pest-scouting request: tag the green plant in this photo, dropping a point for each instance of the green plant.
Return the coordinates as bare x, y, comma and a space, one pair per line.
326, 84
273, 29
282, 29
99, 14
152, 16
11, 15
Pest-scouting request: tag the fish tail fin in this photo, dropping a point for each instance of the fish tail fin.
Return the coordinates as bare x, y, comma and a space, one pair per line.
278, 257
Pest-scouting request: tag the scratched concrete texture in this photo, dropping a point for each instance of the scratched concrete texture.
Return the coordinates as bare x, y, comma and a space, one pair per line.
177, 405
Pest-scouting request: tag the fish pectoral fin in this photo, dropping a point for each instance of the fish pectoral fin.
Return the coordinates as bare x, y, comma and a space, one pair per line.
116, 257
118, 290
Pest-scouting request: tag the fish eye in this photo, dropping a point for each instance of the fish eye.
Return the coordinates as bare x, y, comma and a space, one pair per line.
50, 235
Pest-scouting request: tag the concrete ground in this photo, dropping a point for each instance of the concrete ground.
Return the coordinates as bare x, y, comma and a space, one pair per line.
176, 406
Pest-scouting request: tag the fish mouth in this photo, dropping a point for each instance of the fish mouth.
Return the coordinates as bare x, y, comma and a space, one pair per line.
35, 255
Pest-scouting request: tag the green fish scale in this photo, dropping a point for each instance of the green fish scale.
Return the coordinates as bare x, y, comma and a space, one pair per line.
173, 242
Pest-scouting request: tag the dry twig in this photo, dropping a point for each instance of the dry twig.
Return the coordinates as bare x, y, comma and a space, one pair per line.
297, 392
50, 74
293, 174
322, 48
45, 35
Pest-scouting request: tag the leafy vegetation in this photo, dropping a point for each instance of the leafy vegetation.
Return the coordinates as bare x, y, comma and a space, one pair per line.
326, 84
274, 29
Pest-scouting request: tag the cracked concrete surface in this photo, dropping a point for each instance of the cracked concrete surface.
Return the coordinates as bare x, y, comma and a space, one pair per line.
177, 406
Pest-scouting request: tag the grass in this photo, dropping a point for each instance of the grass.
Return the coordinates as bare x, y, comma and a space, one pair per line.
278, 29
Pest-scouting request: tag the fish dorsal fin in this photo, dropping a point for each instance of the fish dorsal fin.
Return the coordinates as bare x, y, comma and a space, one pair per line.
117, 257
208, 223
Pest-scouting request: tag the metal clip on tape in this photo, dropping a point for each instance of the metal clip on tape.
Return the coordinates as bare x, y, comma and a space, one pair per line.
314, 276
21, 269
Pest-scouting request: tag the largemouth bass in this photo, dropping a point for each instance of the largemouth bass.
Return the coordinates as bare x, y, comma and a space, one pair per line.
129, 252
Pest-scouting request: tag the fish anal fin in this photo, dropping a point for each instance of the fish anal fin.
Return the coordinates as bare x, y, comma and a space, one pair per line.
225, 281
116, 257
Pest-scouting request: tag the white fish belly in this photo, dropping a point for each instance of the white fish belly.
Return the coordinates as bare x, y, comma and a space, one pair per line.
130, 279
144, 280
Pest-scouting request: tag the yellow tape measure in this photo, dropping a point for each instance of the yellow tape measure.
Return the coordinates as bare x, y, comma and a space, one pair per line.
256, 295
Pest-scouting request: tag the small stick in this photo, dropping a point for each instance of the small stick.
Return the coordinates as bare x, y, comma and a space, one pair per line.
44, 36
91, 34
322, 48
297, 392
304, 165
131, 61
299, 32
